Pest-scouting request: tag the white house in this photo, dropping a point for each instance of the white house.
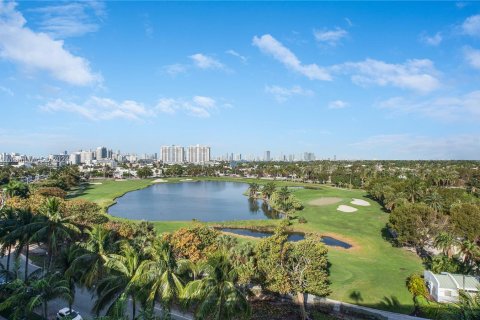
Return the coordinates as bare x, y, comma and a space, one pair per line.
445, 287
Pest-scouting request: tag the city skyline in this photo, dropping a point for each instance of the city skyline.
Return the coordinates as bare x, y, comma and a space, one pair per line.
357, 80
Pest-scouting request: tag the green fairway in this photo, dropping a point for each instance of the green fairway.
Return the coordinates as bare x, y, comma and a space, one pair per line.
372, 273
104, 192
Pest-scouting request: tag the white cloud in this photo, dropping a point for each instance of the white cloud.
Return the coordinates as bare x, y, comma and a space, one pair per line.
282, 94
434, 40
6, 90
236, 54
337, 104
269, 45
38, 51
198, 106
204, 102
331, 37
418, 74
458, 108
472, 56
175, 69
408, 146
97, 108
471, 26
205, 62
69, 19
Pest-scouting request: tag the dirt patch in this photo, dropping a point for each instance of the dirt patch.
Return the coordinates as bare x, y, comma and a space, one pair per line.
325, 201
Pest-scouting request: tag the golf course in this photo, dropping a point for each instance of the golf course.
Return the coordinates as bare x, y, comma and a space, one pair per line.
371, 273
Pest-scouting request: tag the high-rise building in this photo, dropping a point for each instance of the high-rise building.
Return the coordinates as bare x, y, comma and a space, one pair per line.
267, 156
75, 158
198, 154
101, 153
308, 156
86, 156
172, 154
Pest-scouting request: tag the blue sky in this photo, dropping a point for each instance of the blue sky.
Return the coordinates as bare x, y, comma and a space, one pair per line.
371, 80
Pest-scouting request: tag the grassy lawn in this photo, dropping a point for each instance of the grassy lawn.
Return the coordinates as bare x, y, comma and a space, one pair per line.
372, 273
104, 192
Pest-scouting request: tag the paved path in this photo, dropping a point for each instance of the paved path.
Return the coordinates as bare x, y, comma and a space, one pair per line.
338, 305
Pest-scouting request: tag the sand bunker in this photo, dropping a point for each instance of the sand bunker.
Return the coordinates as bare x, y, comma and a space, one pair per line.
345, 208
360, 202
95, 183
159, 181
325, 201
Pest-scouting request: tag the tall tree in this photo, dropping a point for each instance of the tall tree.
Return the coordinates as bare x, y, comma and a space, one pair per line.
216, 294
296, 268
160, 274
120, 283
53, 227
91, 262
253, 189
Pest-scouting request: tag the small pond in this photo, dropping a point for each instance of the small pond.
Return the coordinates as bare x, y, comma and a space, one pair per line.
201, 200
292, 236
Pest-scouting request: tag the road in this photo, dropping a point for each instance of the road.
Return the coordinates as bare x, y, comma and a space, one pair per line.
83, 298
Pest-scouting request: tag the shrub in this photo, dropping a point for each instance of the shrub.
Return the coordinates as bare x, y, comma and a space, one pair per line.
51, 192
302, 220
194, 243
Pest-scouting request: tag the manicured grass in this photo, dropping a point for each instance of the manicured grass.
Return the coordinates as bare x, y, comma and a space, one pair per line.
372, 273
106, 191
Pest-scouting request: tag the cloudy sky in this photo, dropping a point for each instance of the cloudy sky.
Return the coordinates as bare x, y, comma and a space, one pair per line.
358, 80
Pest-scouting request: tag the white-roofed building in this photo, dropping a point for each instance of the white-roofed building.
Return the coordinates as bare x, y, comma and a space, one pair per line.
445, 287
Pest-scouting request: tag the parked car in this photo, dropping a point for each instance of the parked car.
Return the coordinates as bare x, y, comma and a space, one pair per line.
65, 314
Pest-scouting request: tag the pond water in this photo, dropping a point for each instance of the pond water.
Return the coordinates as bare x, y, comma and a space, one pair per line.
201, 200
292, 236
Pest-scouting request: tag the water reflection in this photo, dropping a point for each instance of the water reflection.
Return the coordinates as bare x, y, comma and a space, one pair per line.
202, 200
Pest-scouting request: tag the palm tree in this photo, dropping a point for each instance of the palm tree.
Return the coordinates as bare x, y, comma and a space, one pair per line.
283, 194
16, 189
216, 295
67, 257
160, 274
121, 282
253, 189
53, 227
434, 201
27, 296
23, 234
470, 252
8, 223
268, 190
48, 288
445, 241
91, 263
468, 306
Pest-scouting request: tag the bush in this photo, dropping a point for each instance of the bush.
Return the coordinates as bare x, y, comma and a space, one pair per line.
302, 220
51, 192
194, 243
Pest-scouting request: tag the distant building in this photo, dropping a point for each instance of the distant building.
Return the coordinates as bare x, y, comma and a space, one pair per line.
58, 160
86, 156
75, 158
445, 287
267, 156
172, 154
198, 154
101, 153
309, 156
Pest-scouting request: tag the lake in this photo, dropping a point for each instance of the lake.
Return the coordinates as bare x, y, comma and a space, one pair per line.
292, 236
201, 200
